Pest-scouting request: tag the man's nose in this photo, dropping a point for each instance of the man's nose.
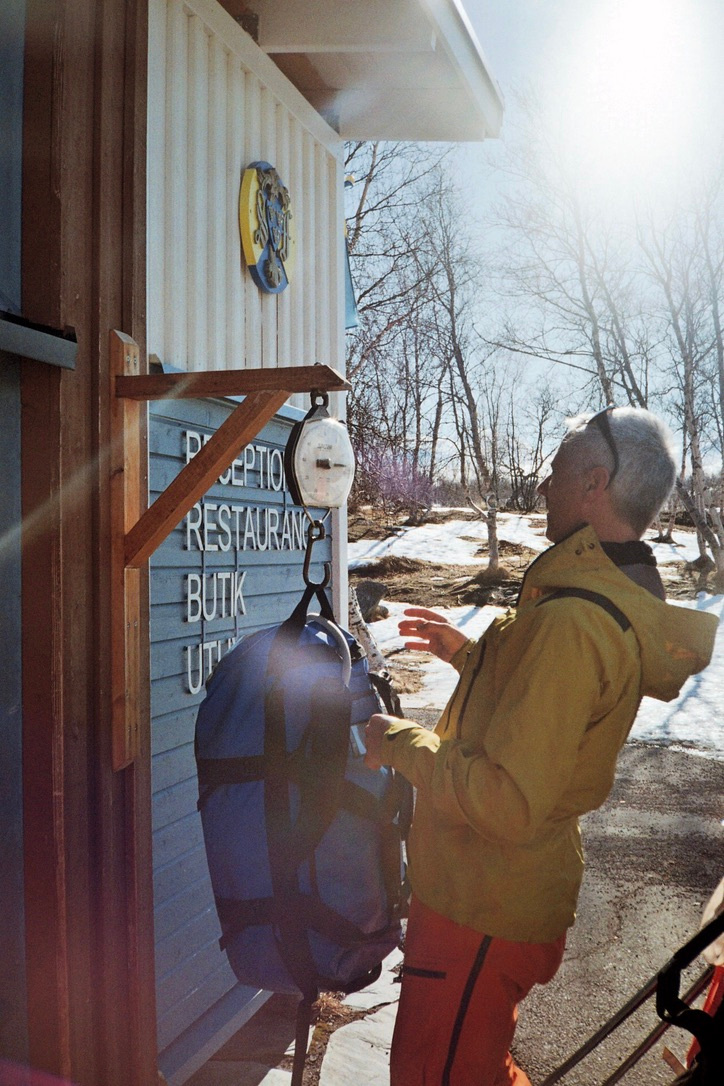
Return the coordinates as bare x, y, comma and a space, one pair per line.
543, 487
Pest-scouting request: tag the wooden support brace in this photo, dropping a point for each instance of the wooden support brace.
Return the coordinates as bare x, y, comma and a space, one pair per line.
289, 379
241, 427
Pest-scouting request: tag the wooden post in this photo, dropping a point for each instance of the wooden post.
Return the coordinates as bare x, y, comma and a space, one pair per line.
126, 633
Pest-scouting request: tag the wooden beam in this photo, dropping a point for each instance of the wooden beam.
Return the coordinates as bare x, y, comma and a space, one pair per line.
241, 427
125, 507
290, 379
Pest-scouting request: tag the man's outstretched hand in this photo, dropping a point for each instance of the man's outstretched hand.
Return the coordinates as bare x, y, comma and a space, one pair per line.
433, 633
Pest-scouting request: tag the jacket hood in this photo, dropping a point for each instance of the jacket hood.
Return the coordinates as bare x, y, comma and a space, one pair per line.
675, 642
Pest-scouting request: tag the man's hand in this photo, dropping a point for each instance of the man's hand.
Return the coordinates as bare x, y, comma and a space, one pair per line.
434, 633
375, 729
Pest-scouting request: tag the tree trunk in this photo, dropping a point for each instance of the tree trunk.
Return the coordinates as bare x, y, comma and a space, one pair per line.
435, 436
359, 629
714, 540
492, 519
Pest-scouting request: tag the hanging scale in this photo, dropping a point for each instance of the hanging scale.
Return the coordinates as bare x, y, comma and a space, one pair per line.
319, 467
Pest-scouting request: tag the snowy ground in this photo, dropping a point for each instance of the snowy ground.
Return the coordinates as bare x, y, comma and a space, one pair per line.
695, 721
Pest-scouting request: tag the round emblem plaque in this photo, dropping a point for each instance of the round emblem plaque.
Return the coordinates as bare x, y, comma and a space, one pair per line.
265, 221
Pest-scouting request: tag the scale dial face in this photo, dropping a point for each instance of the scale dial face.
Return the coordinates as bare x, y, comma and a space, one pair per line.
323, 463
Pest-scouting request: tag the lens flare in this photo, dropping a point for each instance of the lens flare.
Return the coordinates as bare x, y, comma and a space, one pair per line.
628, 102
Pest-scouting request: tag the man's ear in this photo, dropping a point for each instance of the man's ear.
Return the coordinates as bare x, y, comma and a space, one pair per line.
597, 481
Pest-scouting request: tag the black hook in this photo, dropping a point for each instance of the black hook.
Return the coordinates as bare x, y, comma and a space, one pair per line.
315, 531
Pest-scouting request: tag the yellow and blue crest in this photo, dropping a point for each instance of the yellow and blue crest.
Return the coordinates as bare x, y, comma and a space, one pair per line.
265, 221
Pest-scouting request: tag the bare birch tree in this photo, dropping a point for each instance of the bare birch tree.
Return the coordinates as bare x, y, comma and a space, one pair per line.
677, 261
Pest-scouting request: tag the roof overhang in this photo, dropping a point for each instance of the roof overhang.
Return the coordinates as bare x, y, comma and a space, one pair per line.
384, 69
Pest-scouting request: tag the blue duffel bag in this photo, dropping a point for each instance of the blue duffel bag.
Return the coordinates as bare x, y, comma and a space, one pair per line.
304, 842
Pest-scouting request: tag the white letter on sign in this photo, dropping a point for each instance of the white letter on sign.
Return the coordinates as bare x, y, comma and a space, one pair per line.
193, 596
239, 607
193, 444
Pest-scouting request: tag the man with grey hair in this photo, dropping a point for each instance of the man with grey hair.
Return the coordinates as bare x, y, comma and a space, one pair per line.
527, 743
632, 473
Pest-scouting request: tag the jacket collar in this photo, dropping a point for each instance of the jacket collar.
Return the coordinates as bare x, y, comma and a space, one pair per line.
577, 548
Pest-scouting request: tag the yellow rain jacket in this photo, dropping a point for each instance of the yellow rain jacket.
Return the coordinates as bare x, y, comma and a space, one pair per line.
529, 740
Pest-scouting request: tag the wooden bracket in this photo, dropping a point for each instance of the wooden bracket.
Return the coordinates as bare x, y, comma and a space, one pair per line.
137, 533
242, 425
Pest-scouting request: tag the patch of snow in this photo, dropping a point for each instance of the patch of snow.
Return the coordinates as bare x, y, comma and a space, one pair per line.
429, 542
439, 678
359, 1053
458, 541
683, 549
696, 718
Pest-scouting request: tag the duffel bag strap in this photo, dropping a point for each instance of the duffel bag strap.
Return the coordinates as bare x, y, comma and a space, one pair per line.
400, 804
323, 758
311, 912
383, 685
301, 1037
298, 616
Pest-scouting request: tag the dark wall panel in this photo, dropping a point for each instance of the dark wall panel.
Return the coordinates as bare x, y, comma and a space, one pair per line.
13, 1021
12, 42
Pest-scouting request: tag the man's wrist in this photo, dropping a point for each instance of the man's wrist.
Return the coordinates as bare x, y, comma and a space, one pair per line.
400, 737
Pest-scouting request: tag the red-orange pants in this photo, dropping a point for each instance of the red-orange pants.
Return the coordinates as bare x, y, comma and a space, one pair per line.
714, 999
459, 1003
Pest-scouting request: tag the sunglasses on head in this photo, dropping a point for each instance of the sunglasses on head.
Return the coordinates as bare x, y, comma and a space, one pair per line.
600, 421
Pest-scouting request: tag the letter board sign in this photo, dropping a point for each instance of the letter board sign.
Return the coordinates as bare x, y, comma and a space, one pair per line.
234, 565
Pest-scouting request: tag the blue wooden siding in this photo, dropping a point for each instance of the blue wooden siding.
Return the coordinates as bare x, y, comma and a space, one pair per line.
196, 990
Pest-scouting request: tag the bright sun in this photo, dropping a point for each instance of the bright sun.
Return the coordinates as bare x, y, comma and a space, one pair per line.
627, 102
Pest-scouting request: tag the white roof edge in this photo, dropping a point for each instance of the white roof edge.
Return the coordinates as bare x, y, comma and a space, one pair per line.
462, 46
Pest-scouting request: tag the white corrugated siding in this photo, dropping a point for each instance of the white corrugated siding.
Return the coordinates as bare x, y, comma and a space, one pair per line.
216, 104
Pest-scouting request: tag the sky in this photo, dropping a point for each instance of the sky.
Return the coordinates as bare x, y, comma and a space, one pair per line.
692, 722
631, 90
